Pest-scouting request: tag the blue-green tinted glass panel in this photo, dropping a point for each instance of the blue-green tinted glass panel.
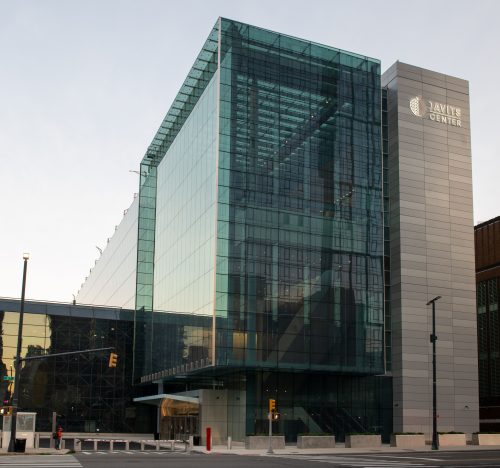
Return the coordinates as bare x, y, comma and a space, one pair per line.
300, 218
192, 89
112, 280
186, 213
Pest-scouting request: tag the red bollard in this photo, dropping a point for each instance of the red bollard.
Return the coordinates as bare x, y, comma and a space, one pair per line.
209, 438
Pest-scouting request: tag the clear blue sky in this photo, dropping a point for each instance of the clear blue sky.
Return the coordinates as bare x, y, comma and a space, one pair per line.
84, 86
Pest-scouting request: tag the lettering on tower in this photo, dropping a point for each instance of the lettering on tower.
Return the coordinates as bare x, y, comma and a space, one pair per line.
436, 111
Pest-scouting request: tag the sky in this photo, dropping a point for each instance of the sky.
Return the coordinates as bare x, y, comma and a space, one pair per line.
84, 85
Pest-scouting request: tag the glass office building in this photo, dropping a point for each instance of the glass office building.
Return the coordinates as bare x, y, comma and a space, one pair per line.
296, 212
260, 214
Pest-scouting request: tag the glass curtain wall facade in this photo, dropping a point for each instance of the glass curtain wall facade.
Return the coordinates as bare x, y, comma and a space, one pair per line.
387, 242
261, 210
488, 338
487, 243
86, 394
300, 228
319, 403
186, 212
175, 215
112, 279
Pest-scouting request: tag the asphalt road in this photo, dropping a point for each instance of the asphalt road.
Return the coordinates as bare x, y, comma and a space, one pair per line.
153, 459
464, 459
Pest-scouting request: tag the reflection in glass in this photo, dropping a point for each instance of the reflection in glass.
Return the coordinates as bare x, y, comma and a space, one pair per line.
81, 389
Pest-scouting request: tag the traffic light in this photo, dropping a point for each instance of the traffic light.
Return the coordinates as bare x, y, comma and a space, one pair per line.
273, 411
113, 359
272, 405
5, 410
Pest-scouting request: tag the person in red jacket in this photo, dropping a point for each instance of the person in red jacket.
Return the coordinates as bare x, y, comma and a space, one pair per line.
59, 434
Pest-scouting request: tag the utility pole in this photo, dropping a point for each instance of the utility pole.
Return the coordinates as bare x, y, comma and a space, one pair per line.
270, 448
435, 443
17, 362
272, 408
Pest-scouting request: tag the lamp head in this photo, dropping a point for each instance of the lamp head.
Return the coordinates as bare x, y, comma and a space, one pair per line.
26, 256
434, 300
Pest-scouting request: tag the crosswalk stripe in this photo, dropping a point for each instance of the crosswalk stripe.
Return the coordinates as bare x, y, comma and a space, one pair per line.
337, 459
365, 463
361, 462
373, 463
55, 461
414, 458
130, 452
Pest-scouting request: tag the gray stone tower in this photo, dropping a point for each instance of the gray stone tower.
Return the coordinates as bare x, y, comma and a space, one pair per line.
432, 249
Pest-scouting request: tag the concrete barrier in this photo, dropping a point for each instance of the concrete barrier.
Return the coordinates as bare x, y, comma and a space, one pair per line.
485, 439
262, 442
408, 440
451, 440
312, 441
363, 440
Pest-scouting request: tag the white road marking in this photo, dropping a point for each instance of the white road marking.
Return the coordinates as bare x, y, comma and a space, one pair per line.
49, 461
362, 462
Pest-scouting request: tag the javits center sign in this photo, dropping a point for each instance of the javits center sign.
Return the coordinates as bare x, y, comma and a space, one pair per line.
436, 111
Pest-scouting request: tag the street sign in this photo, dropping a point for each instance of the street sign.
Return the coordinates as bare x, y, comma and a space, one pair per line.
8, 377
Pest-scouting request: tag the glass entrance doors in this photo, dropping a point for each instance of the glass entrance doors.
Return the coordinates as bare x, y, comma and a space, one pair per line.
178, 419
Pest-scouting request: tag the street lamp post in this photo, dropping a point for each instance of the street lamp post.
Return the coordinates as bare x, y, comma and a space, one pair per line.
435, 443
17, 362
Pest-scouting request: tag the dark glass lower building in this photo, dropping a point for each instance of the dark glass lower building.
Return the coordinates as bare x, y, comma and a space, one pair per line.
487, 237
85, 393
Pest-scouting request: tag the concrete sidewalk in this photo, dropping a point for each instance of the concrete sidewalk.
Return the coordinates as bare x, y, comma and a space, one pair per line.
33, 451
340, 449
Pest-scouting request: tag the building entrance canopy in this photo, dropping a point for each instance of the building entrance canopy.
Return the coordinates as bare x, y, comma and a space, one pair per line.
156, 400
178, 415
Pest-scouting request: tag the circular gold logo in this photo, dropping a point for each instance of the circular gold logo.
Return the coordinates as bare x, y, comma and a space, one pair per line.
417, 106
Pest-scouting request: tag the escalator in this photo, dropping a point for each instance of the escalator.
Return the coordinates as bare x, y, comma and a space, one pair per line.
334, 420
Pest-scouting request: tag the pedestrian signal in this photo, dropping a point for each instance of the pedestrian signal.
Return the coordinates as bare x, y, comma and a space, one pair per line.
5, 410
